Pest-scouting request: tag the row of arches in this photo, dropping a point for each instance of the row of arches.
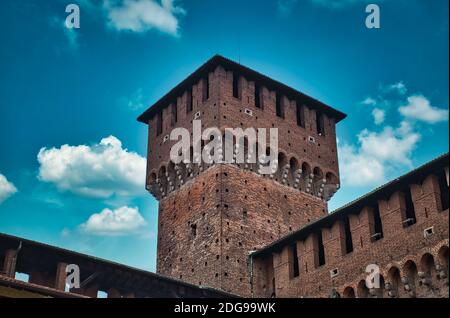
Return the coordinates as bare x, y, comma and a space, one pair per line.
286, 170
427, 278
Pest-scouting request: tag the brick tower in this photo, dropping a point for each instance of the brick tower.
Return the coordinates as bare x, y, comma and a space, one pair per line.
212, 216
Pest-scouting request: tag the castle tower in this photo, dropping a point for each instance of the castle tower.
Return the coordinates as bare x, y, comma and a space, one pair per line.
212, 216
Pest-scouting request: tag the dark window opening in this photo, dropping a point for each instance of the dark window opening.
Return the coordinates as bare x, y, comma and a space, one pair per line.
194, 229
300, 115
257, 96
348, 236
235, 85
159, 124
295, 265
174, 114
410, 213
378, 225
443, 186
321, 251
205, 88
279, 106
190, 101
320, 124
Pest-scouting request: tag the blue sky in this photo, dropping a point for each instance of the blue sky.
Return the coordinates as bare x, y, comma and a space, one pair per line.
72, 153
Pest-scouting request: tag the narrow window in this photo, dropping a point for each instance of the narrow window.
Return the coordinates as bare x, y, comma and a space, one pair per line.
279, 106
257, 96
320, 124
300, 115
410, 213
443, 186
235, 85
321, 249
174, 114
190, 100
159, 125
205, 88
295, 268
194, 230
378, 225
348, 237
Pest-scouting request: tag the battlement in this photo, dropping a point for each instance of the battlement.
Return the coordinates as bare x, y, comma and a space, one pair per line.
224, 94
402, 227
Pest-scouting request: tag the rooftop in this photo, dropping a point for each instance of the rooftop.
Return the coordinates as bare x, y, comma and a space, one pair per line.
40, 252
248, 73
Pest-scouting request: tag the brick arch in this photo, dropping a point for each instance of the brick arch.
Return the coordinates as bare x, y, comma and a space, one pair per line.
331, 178
152, 176
318, 180
171, 176
162, 176
393, 282
410, 277
361, 290
306, 179
442, 260
349, 292
438, 247
282, 164
294, 170
427, 263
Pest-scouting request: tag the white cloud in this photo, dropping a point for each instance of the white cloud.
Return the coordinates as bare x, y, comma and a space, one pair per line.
369, 101
7, 189
143, 15
378, 116
122, 221
368, 162
101, 170
420, 108
398, 87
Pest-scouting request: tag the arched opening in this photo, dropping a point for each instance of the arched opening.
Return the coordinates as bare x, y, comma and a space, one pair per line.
331, 185
171, 177
317, 181
152, 179
394, 282
162, 181
427, 268
294, 167
181, 174
306, 181
152, 185
282, 162
443, 263
379, 289
363, 291
410, 278
349, 292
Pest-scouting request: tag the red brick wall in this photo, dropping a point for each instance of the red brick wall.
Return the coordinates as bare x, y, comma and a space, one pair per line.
234, 212
399, 245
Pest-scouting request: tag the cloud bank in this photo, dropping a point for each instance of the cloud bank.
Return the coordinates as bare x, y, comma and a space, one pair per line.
101, 170
121, 221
